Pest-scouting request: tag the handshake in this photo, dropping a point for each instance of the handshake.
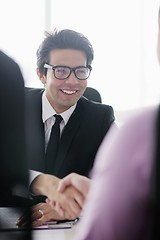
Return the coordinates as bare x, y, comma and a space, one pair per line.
64, 198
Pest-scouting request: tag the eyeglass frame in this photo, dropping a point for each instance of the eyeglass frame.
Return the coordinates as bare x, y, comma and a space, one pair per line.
48, 66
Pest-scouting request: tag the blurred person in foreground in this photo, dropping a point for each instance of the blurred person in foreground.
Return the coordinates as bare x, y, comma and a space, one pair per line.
123, 196
13, 164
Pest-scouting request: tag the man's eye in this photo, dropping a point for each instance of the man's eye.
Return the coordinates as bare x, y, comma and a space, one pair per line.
60, 70
81, 71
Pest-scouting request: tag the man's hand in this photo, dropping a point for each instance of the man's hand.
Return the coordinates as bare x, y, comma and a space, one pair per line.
73, 182
79, 182
70, 201
41, 213
45, 184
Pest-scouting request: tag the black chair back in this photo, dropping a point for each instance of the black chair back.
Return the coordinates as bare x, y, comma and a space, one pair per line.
92, 94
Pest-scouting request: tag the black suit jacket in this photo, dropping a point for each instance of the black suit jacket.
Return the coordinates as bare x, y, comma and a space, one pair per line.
13, 165
80, 139
13, 168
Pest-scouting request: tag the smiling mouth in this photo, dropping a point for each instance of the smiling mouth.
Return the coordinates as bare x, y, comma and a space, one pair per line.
69, 92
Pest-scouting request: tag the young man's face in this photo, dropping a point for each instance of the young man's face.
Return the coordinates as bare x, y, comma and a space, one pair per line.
62, 94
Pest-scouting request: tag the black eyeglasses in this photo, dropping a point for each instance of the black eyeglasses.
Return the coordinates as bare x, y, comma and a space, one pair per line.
63, 72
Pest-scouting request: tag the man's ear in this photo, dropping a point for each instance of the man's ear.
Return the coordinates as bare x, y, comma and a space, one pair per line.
41, 76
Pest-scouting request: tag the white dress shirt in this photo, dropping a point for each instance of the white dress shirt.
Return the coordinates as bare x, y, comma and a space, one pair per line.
48, 120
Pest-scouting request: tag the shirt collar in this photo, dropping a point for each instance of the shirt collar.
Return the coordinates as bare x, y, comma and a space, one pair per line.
48, 111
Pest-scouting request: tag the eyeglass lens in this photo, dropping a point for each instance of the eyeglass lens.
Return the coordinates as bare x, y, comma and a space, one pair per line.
64, 72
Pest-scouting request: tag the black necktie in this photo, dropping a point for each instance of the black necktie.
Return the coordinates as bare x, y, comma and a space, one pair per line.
52, 147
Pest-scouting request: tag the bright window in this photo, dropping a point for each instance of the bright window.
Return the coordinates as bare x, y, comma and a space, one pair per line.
123, 34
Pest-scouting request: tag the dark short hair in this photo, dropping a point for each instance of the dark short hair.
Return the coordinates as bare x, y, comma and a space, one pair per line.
63, 39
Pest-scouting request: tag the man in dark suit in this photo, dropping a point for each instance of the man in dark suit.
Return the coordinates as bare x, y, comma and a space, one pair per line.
13, 165
63, 65
80, 139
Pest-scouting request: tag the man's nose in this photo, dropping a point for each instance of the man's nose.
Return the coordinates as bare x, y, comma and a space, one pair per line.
72, 78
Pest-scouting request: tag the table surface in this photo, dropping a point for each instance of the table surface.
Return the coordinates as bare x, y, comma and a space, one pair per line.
56, 234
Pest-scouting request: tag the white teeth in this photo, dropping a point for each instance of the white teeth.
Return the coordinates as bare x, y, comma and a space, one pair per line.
68, 92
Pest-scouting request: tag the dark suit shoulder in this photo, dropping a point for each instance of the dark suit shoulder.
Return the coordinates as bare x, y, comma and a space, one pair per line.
32, 91
33, 96
96, 107
95, 114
